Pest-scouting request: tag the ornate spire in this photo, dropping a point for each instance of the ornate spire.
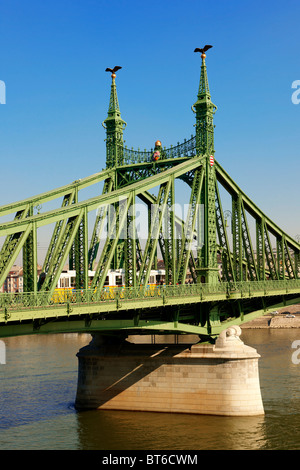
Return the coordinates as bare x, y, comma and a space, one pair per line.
203, 85
204, 110
113, 108
114, 126
207, 267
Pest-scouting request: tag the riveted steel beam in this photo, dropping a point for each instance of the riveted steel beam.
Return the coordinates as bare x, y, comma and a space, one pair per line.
94, 203
99, 225
61, 253
112, 239
189, 228
153, 235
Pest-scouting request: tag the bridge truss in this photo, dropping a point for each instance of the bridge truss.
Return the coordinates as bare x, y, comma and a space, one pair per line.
238, 271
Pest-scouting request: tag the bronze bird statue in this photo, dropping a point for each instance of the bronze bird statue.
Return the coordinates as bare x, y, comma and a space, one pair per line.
203, 50
114, 70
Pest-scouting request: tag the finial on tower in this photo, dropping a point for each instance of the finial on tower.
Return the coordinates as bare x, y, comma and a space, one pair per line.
113, 71
113, 102
203, 50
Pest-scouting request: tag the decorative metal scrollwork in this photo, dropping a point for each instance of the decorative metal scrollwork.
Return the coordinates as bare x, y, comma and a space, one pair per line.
185, 149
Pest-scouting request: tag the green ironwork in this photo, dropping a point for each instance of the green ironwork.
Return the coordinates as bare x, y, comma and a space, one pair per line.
112, 310
237, 272
204, 110
114, 126
98, 227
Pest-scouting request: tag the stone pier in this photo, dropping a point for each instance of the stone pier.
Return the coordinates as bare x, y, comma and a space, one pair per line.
214, 379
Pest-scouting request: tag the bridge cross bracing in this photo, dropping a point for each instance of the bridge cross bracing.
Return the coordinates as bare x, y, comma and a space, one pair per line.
235, 272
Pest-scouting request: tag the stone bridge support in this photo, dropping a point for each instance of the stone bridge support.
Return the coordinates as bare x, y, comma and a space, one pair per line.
219, 379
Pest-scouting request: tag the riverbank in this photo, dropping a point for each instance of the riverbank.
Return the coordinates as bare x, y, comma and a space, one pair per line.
287, 317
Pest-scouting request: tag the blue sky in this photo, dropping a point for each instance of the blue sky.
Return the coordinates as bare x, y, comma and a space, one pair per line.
53, 60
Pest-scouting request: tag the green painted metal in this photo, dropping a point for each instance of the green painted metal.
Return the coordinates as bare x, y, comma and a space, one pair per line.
114, 126
237, 273
122, 305
204, 110
98, 227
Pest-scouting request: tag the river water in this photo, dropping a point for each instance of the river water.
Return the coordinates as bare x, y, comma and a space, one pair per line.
38, 388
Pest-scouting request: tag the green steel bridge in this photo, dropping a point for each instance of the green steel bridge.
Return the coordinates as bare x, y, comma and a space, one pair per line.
238, 272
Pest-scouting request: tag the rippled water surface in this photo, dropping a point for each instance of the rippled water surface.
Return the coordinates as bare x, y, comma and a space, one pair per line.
38, 389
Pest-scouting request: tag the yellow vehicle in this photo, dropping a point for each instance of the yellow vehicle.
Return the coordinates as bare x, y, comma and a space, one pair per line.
66, 285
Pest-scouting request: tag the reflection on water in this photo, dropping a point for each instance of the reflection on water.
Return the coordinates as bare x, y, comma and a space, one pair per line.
148, 431
38, 388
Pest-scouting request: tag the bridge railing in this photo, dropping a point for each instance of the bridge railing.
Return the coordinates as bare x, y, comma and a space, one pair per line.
25, 300
185, 149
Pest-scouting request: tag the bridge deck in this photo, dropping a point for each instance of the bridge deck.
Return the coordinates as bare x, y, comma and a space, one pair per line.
119, 308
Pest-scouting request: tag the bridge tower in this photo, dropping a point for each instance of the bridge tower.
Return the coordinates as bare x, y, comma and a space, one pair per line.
114, 126
207, 270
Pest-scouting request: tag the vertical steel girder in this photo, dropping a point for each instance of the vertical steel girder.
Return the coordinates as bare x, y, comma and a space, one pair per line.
297, 264
131, 245
167, 237
81, 251
237, 237
210, 216
30, 261
260, 248
280, 257
207, 269
248, 248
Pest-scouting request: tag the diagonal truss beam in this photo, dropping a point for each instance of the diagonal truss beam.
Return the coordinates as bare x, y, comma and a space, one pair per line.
114, 235
227, 265
98, 227
261, 264
187, 238
57, 233
13, 245
155, 228
244, 262
93, 203
62, 250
